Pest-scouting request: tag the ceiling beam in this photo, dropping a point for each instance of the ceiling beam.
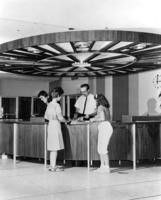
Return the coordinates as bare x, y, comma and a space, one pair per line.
109, 58
91, 57
108, 46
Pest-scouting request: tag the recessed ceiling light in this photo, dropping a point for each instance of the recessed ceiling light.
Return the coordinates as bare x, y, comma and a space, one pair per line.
82, 46
33, 50
7, 65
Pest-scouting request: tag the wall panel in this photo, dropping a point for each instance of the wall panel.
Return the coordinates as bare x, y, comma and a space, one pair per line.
120, 97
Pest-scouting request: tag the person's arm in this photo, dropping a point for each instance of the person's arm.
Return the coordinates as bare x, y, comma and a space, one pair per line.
100, 116
59, 114
77, 113
77, 110
46, 117
61, 118
108, 116
92, 114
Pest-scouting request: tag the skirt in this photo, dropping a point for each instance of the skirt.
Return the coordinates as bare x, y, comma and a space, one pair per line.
54, 139
105, 131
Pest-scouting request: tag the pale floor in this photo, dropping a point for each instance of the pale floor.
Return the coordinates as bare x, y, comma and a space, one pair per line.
30, 181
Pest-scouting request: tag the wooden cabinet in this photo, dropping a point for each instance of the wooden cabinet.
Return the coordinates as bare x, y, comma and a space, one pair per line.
148, 141
75, 142
75, 137
6, 138
30, 140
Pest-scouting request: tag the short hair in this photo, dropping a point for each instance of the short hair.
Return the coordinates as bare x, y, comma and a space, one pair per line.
101, 100
56, 92
42, 93
85, 85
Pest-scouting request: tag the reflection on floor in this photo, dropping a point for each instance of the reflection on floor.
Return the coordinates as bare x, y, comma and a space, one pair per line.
31, 181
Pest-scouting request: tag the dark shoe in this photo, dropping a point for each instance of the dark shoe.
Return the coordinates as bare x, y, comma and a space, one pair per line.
56, 169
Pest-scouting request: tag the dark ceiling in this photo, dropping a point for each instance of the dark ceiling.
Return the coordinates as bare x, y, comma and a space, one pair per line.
82, 54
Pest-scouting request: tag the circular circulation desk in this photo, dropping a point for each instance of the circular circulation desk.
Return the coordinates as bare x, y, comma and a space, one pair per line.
130, 141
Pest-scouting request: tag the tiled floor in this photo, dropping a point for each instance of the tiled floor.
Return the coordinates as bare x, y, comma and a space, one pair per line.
30, 181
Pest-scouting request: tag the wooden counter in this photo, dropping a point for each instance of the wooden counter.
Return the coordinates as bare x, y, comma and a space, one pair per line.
30, 140
75, 138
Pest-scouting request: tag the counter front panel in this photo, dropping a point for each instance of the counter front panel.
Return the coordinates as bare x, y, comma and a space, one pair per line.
30, 141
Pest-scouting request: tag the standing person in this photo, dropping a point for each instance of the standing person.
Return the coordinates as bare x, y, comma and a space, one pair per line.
42, 103
85, 104
105, 131
54, 115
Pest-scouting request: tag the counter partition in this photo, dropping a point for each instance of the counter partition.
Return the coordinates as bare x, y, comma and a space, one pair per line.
130, 141
23, 138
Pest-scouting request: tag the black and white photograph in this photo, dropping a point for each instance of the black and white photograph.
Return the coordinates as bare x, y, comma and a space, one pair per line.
80, 100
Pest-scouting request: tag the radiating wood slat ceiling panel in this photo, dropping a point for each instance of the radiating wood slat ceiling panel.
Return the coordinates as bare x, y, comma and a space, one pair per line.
82, 53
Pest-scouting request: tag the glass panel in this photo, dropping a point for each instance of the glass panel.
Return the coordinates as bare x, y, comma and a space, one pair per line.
9, 107
24, 108
35, 106
69, 105
72, 107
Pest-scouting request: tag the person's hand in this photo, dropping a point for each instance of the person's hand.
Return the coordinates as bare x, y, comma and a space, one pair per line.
92, 120
75, 116
86, 117
68, 122
80, 119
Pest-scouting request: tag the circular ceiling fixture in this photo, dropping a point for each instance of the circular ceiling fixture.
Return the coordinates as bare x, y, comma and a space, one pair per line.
82, 54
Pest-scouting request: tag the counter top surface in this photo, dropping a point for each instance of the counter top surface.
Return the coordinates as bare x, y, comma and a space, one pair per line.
74, 122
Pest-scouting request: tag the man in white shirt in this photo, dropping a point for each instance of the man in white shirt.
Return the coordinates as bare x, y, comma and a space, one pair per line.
86, 103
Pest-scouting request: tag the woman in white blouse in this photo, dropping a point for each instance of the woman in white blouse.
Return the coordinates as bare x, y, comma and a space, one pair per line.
54, 115
105, 131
